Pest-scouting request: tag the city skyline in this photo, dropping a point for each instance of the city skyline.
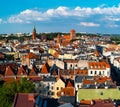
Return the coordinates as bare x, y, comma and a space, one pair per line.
60, 16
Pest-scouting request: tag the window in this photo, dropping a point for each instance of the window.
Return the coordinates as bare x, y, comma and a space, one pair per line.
95, 72
57, 88
103, 72
91, 72
52, 87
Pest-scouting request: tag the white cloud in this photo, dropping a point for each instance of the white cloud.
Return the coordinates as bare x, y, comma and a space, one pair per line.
1, 20
113, 18
89, 24
29, 15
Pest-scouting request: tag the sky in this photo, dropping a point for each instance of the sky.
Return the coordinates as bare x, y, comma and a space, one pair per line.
91, 16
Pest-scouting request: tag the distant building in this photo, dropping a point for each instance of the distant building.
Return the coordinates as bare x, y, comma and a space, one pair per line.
34, 34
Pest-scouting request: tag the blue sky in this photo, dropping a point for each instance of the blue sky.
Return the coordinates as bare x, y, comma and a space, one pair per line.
92, 16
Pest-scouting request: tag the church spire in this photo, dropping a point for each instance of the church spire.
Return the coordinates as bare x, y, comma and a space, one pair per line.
34, 29
34, 33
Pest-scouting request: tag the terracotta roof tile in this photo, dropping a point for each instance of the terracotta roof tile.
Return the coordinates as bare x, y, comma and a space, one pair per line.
85, 102
22, 100
66, 92
21, 71
33, 72
45, 68
69, 84
31, 56
96, 53
9, 71
98, 65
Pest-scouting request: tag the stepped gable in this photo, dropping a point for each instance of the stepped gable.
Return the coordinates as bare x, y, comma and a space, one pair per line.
9, 71
21, 71
33, 72
45, 68
31, 56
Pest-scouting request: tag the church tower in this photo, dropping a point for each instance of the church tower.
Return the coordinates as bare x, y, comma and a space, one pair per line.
72, 34
34, 34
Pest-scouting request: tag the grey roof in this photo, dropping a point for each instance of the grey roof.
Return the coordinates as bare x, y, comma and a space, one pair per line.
4, 50
66, 105
78, 79
67, 99
49, 79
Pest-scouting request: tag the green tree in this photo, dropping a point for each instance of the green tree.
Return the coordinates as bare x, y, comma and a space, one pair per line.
8, 91
25, 86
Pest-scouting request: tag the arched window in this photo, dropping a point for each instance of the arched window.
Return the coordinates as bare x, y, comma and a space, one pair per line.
95, 72
91, 72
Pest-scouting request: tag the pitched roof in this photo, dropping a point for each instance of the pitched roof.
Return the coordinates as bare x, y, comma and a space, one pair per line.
21, 71
98, 65
69, 84
85, 102
49, 79
33, 72
31, 56
22, 100
9, 71
66, 105
45, 68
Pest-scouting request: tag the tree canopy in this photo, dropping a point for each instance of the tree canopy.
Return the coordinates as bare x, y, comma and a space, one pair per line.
8, 91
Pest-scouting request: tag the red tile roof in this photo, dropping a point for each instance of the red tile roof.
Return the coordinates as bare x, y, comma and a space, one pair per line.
45, 68
32, 72
10, 79
85, 102
96, 53
98, 65
21, 71
22, 100
31, 56
69, 84
9, 71
67, 91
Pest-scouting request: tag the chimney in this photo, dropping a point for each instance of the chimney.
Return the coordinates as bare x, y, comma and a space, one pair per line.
31, 97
